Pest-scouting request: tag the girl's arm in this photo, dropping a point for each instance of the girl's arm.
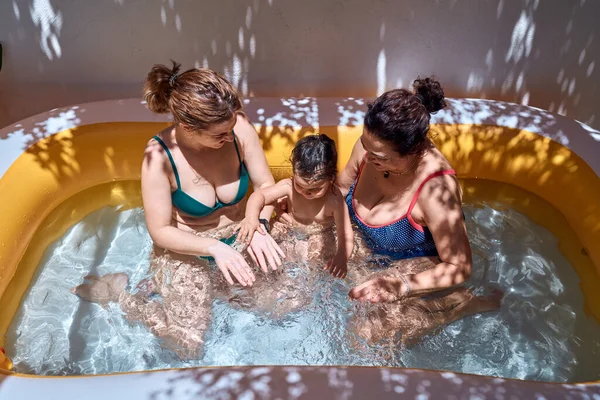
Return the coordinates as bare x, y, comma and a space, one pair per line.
345, 235
338, 266
257, 202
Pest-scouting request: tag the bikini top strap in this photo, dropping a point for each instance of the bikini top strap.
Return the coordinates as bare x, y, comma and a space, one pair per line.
429, 177
237, 150
164, 146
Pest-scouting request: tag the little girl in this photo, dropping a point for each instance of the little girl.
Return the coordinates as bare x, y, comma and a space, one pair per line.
312, 199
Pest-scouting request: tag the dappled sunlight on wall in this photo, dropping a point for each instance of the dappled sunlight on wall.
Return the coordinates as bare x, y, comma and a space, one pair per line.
548, 60
59, 52
50, 22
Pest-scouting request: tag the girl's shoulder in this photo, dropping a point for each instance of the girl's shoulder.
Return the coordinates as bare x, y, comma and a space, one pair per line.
285, 182
335, 198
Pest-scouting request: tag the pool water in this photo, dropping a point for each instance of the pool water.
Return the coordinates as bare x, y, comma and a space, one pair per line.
539, 333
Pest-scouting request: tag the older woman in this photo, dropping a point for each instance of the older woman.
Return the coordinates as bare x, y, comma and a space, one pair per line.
195, 175
405, 200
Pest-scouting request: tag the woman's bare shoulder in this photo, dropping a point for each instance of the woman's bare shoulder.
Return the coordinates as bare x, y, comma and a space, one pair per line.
434, 161
244, 129
166, 136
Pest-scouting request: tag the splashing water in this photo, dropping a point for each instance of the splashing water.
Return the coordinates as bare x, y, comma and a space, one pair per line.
540, 332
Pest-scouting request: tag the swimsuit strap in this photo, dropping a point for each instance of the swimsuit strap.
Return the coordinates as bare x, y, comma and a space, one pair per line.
164, 146
237, 150
429, 177
360, 169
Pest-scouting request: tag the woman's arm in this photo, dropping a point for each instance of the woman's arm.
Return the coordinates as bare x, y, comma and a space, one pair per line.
348, 175
255, 160
263, 249
442, 214
156, 196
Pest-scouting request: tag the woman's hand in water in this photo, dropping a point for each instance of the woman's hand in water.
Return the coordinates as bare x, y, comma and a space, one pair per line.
263, 249
231, 261
247, 228
338, 266
378, 290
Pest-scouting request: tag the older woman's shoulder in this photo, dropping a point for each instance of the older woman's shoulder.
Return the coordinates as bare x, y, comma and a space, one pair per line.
434, 160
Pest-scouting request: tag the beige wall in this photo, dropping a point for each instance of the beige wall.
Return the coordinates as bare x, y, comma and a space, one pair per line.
542, 53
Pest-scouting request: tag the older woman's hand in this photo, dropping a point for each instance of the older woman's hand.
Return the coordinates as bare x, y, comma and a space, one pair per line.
378, 290
263, 249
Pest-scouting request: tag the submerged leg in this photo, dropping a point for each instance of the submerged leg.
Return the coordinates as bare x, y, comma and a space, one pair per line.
175, 304
424, 316
180, 310
102, 290
416, 317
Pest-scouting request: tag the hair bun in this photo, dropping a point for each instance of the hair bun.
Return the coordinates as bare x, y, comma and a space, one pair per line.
158, 87
430, 93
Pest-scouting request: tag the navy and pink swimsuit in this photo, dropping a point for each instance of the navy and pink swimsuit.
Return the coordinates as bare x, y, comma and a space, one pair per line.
399, 239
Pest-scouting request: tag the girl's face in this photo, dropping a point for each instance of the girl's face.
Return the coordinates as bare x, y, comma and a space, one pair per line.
311, 189
215, 136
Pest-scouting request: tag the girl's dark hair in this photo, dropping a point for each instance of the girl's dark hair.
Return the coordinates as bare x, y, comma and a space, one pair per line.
197, 98
315, 158
402, 118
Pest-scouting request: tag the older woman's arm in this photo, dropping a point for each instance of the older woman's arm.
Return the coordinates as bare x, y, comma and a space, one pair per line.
443, 215
442, 212
348, 175
263, 249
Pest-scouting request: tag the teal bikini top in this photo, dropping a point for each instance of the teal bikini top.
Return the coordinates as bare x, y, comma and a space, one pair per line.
193, 207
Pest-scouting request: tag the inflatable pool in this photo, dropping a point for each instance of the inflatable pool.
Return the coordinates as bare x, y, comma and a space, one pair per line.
89, 156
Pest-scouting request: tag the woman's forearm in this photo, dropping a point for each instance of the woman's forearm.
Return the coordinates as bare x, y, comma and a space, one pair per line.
442, 276
182, 242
